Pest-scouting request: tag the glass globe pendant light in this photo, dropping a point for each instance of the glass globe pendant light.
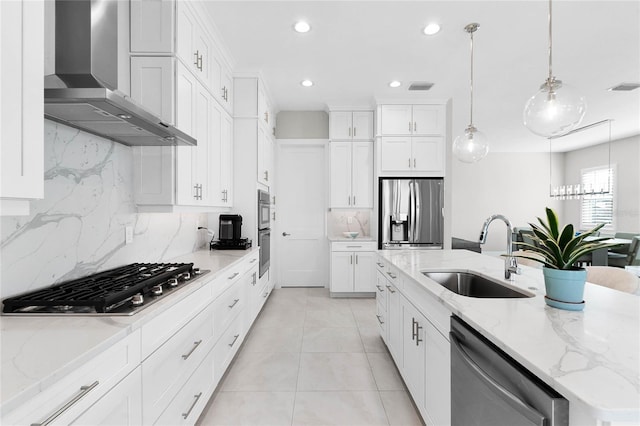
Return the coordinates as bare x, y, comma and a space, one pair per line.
556, 109
471, 146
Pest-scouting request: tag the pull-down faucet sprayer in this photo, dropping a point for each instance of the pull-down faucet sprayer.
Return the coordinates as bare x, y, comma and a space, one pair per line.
510, 262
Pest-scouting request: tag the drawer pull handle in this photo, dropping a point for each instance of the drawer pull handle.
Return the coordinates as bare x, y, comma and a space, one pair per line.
195, 401
254, 260
234, 340
380, 264
390, 290
235, 274
380, 289
393, 276
195, 345
83, 391
379, 319
235, 302
265, 294
354, 246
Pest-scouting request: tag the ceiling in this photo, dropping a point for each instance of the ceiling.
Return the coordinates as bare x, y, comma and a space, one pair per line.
355, 48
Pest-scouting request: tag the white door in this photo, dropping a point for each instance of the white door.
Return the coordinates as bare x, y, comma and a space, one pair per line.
303, 252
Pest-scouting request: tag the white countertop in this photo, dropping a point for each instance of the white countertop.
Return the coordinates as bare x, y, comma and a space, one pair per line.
37, 351
591, 357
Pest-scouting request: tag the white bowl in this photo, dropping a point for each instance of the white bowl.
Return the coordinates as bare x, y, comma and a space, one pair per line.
350, 234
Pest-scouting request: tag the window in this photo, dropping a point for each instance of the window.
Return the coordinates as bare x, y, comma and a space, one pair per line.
598, 208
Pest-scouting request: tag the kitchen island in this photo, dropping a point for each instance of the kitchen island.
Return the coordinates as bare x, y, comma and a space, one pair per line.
592, 357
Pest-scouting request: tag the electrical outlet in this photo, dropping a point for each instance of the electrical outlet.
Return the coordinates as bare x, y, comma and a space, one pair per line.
128, 234
349, 219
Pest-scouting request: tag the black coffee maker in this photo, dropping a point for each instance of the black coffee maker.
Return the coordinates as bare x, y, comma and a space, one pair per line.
230, 227
230, 234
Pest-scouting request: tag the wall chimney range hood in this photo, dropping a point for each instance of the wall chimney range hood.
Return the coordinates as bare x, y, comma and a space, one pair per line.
83, 91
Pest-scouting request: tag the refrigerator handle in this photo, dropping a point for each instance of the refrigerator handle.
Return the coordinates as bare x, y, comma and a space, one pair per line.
417, 194
411, 218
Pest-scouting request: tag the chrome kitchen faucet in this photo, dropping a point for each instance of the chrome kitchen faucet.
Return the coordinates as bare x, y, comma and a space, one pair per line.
510, 262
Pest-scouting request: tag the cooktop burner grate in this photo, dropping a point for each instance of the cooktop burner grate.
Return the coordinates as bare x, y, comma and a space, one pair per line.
104, 291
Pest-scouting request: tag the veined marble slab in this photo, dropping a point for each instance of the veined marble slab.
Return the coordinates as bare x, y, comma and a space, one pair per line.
591, 357
37, 351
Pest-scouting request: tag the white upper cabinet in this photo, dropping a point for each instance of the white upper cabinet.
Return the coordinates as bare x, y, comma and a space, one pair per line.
22, 111
413, 119
171, 27
351, 174
351, 125
413, 140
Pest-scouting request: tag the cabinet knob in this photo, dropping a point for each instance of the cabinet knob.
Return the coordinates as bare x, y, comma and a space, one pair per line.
285, 234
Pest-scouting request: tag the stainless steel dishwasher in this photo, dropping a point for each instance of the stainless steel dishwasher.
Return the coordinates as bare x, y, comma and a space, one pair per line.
489, 388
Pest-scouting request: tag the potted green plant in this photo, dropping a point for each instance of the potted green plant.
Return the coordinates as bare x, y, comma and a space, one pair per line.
559, 250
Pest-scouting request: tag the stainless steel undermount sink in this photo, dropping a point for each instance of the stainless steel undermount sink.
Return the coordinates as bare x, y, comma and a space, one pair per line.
473, 285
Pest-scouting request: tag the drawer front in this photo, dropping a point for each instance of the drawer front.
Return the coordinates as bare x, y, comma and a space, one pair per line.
82, 388
189, 402
164, 372
381, 289
227, 307
381, 315
435, 312
381, 265
162, 327
227, 347
393, 276
354, 246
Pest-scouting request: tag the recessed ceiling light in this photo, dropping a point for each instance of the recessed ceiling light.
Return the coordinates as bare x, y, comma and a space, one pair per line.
431, 29
307, 83
395, 83
302, 27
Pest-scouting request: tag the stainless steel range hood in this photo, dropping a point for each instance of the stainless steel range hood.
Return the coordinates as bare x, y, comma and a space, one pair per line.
83, 91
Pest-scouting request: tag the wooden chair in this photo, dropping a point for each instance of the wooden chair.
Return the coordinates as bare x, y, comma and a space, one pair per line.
621, 259
615, 278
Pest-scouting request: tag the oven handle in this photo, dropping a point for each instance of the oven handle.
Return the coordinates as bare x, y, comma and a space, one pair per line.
504, 394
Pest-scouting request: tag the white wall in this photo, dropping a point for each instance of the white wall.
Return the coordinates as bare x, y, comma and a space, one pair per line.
625, 155
513, 184
79, 227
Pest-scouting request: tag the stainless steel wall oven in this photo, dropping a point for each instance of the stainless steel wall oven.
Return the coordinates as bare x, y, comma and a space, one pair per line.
264, 230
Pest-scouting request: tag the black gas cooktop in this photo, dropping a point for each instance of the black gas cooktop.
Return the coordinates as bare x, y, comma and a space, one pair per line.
120, 291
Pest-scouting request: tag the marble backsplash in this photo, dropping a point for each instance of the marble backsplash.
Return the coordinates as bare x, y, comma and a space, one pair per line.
79, 226
339, 221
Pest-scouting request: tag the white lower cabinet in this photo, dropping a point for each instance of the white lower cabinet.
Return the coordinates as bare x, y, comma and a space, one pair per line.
414, 336
122, 405
352, 268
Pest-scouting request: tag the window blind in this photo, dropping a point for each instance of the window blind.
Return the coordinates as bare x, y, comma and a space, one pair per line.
598, 208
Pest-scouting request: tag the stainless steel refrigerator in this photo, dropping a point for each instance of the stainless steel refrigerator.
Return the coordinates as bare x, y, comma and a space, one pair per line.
411, 213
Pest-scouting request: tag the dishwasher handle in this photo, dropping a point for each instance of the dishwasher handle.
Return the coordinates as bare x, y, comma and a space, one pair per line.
515, 402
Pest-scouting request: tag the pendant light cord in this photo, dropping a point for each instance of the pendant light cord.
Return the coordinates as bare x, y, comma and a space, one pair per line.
471, 28
550, 42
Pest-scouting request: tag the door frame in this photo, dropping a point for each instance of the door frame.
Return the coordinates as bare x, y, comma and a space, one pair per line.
276, 228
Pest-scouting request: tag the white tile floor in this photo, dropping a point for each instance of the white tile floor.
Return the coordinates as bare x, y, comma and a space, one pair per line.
312, 360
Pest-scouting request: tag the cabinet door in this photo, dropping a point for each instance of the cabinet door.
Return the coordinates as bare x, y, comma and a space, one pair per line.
22, 128
394, 323
396, 120
428, 154
226, 88
226, 158
153, 83
414, 353
340, 187
362, 174
396, 154
362, 125
185, 35
342, 271
204, 50
186, 92
264, 156
364, 276
428, 119
152, 29
203, 156
438, 377
341, 125
122, 405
